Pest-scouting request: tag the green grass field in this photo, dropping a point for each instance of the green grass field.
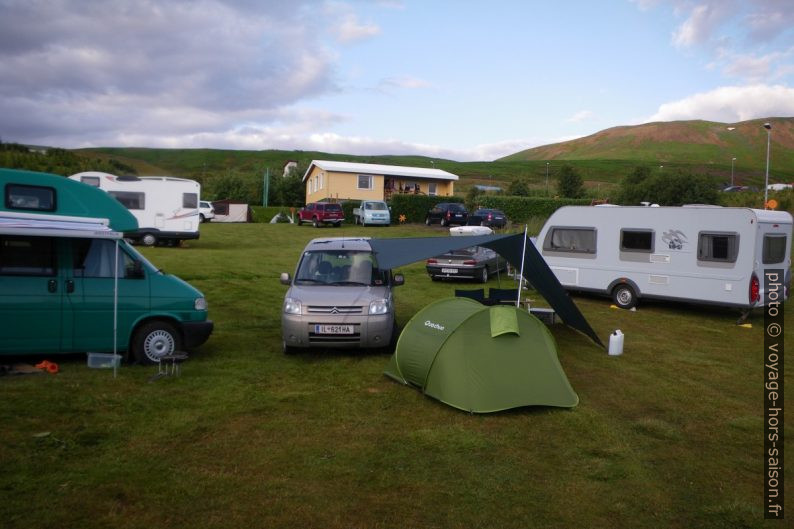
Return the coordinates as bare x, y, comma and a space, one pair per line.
667, 435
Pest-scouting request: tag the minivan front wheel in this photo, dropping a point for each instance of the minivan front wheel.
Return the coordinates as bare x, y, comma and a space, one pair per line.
155, 339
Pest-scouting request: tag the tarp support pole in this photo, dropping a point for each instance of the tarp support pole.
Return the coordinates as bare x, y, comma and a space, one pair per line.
115, 308
521, 277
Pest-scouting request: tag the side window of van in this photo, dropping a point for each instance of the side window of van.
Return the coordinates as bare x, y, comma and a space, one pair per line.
774, 249
93, 181
130, 199
27, 256
718, 247
636, 241
95, 258
190, 200
35, 198
574, 240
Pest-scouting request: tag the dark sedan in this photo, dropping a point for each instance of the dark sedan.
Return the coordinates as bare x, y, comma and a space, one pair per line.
492, 218
447, 213
468, 263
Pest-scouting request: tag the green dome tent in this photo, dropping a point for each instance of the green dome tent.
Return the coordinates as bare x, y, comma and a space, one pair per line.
481, 359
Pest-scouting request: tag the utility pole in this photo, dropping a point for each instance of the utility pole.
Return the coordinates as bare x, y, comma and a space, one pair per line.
266, 187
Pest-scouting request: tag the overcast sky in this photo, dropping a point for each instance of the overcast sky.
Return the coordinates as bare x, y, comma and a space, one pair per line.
459, 79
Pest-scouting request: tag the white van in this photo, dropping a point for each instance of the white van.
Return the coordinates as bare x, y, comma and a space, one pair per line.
702, 254
167, 208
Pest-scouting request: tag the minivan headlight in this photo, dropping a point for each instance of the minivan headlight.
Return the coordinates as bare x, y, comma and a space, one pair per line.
292, 306
200, 304
379, 306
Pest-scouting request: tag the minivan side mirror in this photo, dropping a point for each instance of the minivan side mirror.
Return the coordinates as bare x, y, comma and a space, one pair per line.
285, 278
398, 280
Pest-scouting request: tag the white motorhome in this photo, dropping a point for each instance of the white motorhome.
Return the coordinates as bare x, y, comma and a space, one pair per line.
166, 207
700, 254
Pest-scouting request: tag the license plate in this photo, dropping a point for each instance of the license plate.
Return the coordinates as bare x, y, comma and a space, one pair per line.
333, 329
449, 270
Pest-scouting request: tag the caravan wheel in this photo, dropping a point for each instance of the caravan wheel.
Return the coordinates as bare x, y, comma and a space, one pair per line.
149, 240
624, 296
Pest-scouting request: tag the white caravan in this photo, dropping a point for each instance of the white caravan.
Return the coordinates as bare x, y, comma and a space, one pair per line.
699, 254
166, 208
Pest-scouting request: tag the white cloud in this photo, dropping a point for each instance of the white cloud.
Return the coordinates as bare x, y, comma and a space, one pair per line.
730, 104
582, 115
403, 82
702, 22
345, 25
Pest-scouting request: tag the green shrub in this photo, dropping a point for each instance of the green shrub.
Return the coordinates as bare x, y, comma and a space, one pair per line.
522, 209
415, 207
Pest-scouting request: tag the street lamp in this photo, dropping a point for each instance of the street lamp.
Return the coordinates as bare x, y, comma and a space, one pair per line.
768, 128
732, 160
547, 178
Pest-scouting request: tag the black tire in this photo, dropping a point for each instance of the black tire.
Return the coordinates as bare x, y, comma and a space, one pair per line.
316, 222
483, 278
288, 350
149, 240
338, 225
624, 296
300, 222
435, 278
154, 339
201, 218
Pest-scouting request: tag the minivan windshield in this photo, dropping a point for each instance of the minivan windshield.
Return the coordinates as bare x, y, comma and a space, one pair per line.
339, 268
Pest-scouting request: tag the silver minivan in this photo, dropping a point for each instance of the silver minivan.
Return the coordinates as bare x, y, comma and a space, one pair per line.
339, 298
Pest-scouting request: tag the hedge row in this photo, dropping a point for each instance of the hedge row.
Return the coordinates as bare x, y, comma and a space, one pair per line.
415, 207
521, 209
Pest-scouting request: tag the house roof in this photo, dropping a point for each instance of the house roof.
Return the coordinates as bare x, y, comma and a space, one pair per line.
378, 169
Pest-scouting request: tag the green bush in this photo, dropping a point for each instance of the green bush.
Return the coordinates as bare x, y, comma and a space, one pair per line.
415, 207
522, 209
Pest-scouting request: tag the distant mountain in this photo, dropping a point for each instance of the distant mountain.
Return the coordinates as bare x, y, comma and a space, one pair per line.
700, 143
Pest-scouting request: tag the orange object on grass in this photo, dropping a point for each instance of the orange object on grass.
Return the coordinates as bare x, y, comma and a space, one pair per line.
49, 367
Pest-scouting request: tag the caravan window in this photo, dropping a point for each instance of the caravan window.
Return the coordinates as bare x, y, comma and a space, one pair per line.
190, 200
576, 240
130, 199
636, 240
95, 258
27, 256
774, 249
718, 247
36, 198
93, 181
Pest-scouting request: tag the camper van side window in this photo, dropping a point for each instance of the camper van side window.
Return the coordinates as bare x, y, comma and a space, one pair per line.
190, 200
575, 240
718, 247
36, 198
27, 256
636, 240
95, 258
774, 249
130, 199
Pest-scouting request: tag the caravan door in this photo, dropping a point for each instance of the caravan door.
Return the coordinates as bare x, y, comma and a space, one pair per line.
31, 295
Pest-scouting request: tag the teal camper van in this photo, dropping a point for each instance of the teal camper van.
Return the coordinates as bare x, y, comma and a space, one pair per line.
68, 278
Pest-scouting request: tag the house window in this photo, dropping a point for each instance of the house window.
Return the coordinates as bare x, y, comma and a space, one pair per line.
718, 247
364, 181
636, 241
320, 181
574, 240
27, 256
774, 249
431, 189
190, 200
37, 198
130, 199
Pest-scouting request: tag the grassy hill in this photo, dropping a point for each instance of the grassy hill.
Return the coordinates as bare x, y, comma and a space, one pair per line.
704, 146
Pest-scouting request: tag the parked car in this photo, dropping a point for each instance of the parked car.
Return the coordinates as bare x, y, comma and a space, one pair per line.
372, 212
447, 213
338, 298
206, 211
476, 263
319, 213
735, 189
492, 218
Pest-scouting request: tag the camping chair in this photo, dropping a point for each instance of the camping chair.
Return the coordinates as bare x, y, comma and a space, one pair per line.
502, 296
476, 295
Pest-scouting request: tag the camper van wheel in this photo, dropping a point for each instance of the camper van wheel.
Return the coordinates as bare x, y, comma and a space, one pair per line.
484, 275
153, 340
624, 296
149, 240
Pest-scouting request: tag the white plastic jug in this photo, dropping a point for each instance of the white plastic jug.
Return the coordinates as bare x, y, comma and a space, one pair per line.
616, 343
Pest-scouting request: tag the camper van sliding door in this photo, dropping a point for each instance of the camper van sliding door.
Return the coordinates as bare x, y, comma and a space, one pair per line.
91, 300
31, 294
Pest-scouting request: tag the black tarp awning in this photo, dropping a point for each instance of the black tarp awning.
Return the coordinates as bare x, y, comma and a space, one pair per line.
392, 253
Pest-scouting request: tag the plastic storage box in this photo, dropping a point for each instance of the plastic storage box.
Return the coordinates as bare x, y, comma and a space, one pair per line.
103, 360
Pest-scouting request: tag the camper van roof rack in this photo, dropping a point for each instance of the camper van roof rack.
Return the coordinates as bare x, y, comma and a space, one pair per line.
128, 178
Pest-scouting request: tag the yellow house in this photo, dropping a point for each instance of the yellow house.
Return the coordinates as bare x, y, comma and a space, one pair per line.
328, 180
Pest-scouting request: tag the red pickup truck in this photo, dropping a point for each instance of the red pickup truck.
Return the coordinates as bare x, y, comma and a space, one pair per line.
319, 213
